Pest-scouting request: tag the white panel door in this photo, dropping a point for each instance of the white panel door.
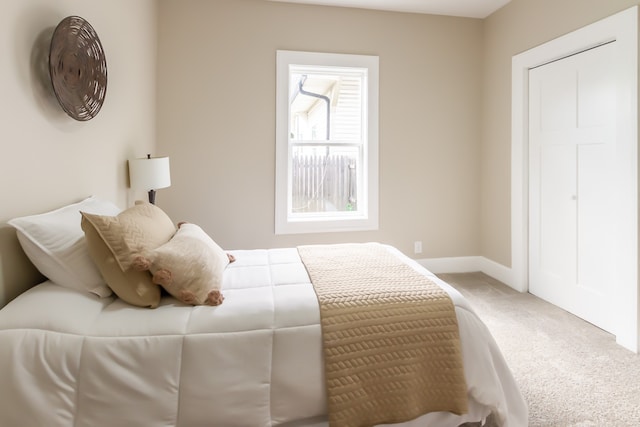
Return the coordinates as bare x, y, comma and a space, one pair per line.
572, 113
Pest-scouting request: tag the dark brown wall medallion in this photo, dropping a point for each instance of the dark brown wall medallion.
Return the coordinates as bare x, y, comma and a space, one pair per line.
78, 68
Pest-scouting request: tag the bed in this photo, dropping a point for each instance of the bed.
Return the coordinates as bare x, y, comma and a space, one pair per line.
75, 358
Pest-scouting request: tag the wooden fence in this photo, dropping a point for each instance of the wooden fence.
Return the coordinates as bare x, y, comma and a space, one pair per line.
324, 183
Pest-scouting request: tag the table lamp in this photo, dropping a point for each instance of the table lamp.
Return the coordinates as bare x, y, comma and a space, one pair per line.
150, 174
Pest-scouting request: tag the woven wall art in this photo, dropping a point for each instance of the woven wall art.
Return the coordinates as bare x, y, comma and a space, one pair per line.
78, 68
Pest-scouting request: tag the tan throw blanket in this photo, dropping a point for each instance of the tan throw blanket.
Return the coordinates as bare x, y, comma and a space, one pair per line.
390, 335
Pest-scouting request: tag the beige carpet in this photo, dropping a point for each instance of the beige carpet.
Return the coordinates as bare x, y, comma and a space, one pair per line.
570, 372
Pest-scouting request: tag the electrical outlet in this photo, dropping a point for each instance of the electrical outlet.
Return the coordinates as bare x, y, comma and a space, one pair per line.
417, 247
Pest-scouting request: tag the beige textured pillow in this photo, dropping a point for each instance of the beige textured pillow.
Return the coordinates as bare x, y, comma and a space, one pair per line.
134, 231
132, 286
190, 266
115, 240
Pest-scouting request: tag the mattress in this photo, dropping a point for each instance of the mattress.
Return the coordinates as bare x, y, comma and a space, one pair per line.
69, 358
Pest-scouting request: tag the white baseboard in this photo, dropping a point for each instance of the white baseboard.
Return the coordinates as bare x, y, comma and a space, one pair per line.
452, 265
467, 265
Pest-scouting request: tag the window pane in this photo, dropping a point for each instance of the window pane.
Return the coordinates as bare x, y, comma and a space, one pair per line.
325, 105
324, 179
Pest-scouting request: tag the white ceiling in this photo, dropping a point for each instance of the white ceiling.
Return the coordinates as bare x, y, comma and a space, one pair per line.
464, 8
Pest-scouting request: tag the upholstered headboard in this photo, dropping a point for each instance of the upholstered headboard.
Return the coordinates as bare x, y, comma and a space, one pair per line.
17, 273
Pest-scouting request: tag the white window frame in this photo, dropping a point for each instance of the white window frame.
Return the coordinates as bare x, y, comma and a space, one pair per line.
367, 218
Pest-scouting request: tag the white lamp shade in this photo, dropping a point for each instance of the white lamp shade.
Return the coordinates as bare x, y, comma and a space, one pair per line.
149, 174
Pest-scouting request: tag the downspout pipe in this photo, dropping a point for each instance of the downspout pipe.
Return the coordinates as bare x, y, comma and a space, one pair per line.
319, 96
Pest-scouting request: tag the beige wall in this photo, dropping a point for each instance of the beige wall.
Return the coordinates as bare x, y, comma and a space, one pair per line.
216, 118
517, 27
48, 159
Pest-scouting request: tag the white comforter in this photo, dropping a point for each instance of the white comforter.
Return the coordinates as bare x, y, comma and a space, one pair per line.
72, 359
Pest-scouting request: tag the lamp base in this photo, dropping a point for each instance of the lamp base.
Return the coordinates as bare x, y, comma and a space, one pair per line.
152, 197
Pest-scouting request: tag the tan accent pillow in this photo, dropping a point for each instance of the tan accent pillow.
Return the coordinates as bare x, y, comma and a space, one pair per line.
190, 266
134, 231
132, 286
113, 242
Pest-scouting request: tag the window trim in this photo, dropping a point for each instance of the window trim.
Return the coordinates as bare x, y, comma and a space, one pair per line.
368, 220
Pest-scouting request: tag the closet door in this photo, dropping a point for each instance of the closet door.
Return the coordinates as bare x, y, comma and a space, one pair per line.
572, 113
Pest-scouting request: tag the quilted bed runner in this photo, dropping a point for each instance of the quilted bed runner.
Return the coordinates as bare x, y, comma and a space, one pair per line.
390, 336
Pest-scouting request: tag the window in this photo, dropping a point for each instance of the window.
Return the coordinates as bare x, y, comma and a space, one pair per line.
326, 142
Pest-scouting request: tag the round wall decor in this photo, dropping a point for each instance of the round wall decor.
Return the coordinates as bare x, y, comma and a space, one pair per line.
78, 68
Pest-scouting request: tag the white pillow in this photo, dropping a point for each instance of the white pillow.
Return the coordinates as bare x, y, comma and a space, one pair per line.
55, 244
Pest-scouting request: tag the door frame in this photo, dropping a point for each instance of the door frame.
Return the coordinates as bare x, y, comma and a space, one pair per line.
623, 29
